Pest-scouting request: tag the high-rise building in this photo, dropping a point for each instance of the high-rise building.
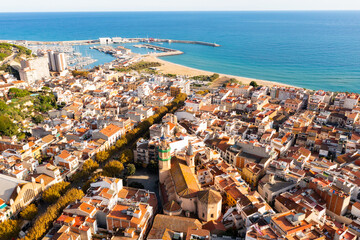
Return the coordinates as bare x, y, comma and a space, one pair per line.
34, 69
57, 61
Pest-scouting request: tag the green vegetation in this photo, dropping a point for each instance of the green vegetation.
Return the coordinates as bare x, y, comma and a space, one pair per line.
29, 213
254, 84
7, 127
130, 169
90, 166
44, 103
37, 119
18, 93
210, 78
102, 156
126, 156
5, 67
23, 106
233, 80
6, 49
170, 75
44, 222
52, 194
139, 66
113, 168
9, 229
202, 92
77, 73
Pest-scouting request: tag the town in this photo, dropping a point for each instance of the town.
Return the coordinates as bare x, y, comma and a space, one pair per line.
127, 152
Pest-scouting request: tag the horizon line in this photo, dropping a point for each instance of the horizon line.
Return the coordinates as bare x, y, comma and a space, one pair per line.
134, 11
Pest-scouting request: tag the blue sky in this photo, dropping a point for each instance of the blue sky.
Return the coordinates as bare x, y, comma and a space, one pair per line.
175, 5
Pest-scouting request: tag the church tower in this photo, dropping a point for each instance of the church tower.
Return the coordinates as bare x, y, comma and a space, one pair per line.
164, 159
190, 157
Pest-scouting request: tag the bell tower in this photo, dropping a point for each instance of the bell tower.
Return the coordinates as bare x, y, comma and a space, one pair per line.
190, 157
164, 159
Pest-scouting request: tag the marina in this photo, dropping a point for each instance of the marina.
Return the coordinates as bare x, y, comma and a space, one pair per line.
74, 57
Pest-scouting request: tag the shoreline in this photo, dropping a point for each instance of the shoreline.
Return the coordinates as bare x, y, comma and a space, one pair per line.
168, 67
178, 69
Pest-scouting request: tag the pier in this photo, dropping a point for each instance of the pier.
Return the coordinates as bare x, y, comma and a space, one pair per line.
164, 51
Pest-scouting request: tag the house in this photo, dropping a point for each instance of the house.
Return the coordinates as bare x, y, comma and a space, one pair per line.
293, 104
67, 160
133, 218
110, 133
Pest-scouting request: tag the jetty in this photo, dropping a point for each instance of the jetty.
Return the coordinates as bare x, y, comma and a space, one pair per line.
164, 51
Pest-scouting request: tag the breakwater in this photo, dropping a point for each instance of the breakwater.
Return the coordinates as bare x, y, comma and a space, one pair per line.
164, 51
110, 41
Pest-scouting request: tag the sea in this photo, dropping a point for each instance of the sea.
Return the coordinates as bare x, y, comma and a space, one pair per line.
310, 49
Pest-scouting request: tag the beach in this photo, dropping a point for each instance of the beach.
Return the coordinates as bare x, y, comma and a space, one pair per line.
173, 68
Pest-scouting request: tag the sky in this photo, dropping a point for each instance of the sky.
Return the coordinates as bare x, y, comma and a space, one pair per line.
174, 5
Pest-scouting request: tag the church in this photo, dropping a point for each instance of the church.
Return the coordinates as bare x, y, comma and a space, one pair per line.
180, 189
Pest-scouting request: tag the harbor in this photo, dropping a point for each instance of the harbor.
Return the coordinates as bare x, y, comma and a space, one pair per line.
74, 57
108, 40
115, 51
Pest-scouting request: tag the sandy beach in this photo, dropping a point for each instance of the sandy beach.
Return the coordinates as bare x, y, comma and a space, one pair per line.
173, 68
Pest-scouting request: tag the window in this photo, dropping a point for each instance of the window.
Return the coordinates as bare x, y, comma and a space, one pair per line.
203, 214
212, 215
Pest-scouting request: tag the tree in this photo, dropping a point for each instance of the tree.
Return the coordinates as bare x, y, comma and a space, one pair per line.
17, 93
121, 142
3, 105
102, 156
90, 166
77, 73
253, 83
51, 194
38, 118
126, 156
7, 127
113, 168
44, 222
9, 229
30, 212
130, 169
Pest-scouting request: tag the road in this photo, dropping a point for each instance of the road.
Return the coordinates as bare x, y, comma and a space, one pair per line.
10, 58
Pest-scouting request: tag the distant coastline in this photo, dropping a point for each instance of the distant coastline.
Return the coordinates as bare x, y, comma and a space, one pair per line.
313, 50
167, 67
174, 68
